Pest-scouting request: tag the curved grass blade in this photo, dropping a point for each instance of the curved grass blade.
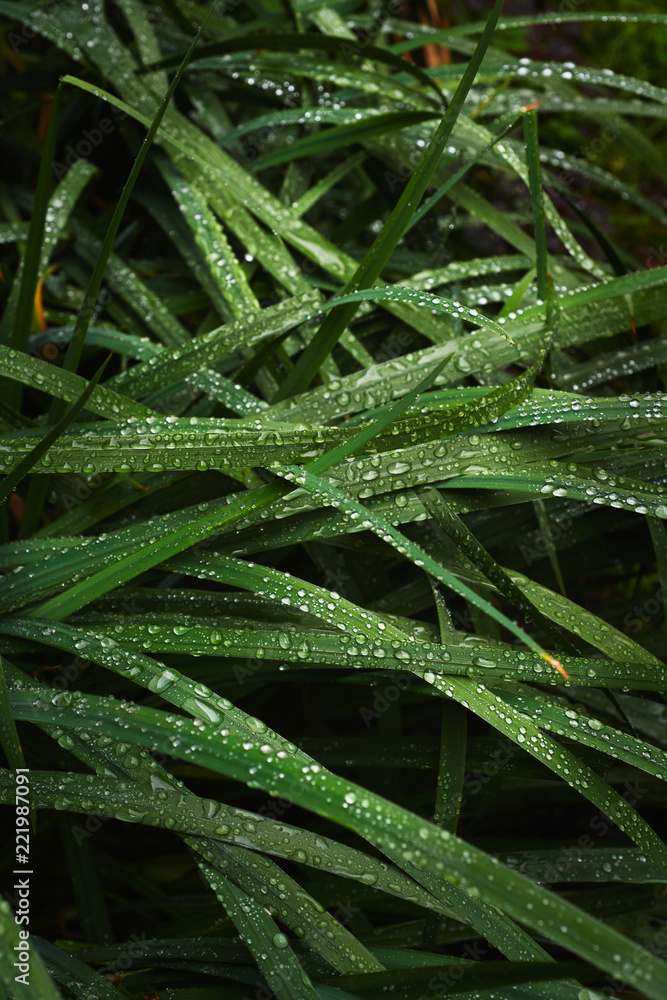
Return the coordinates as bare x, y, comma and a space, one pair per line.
289, 42
79, 979
522, 730
556, 715
278, 963
185, 813
342, 135
396, 293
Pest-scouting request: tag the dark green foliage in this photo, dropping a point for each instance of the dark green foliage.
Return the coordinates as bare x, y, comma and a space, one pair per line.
331, 615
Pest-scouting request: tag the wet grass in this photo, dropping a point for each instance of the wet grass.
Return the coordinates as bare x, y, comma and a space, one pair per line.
333, 464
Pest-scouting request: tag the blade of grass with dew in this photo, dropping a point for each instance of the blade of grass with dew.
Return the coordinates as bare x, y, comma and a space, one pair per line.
438, 507
342, 135
523, 730
451, 770
330, 495
75, 976
297, 649
291, 42
552, 714
187, 814
20, 317
197, 527
9, 737
132, 290
157, 445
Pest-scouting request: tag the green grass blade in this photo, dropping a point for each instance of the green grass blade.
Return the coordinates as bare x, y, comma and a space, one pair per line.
536, 200
336, 498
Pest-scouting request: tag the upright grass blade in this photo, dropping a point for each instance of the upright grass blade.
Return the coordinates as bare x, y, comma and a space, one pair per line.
536, 200
542, 515
449, 788
659, 540
371, 267
79, 854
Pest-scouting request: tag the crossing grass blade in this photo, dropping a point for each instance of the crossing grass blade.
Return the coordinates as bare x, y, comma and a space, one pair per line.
198, 527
